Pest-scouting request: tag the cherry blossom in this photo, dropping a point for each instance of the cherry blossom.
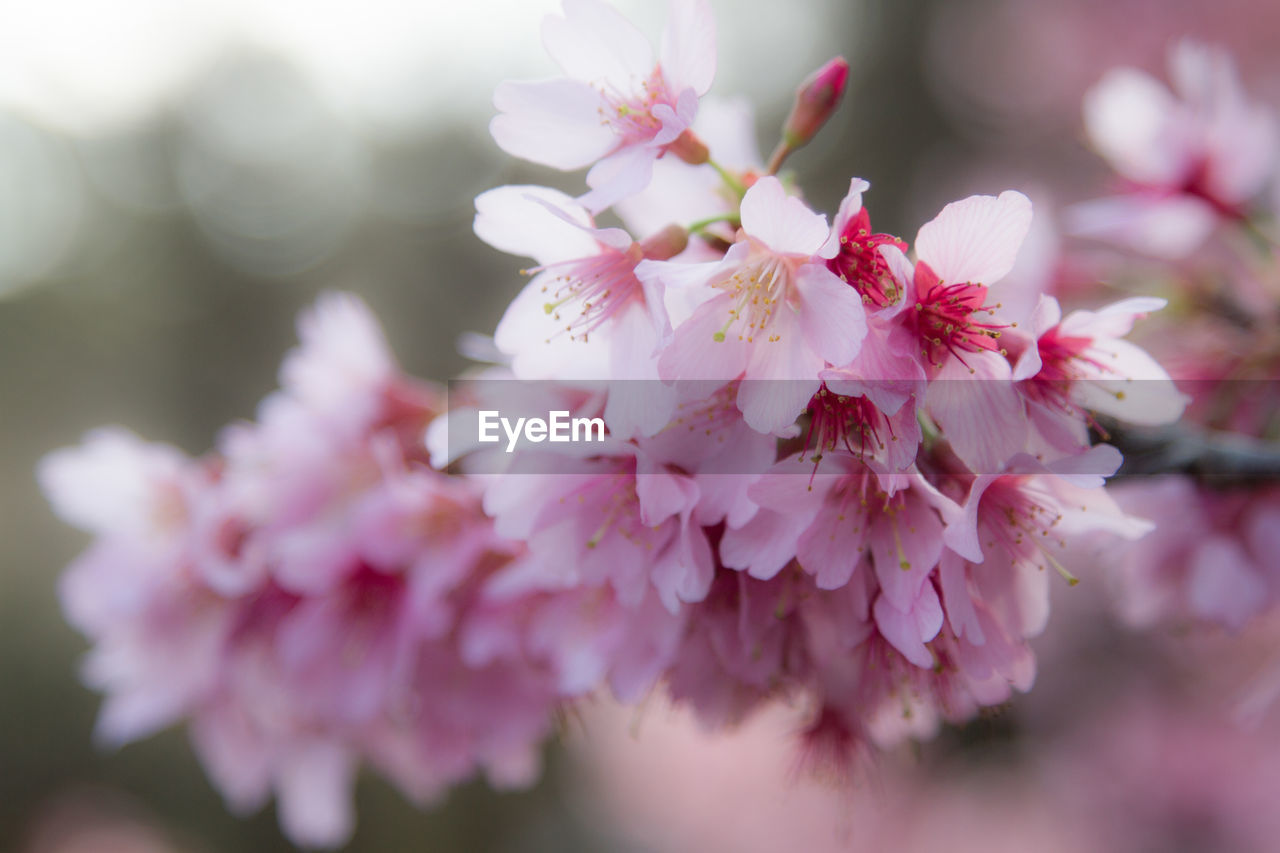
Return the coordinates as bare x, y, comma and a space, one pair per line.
615, 107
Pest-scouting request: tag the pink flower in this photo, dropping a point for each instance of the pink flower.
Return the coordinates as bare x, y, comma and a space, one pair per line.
680, 192
865, 418
1081, 364
1212, 557
301, 599
770, 310
971, 244
858, 259
1012, 527
157, 633
745, 643
1191, 157
842, 518
781, 638
869, 406
586, 635
632, 514
584, 315
615, 107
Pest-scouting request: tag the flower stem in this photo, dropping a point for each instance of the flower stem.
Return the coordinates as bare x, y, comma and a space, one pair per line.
779, 155
728, 177
701, 225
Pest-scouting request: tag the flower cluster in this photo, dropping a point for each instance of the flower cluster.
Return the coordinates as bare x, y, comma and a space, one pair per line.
314, 593
836, 471
905, 458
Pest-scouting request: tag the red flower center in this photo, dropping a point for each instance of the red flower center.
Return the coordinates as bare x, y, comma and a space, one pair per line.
945, 318
860, 263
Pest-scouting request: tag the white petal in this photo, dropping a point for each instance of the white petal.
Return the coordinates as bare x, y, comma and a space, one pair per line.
904, 273
509, 219
678, 192
689, 46
539, 345
619, 176
1044, 317
594, 43
1128, 117
110, 483
1113, 321
849, 207
315, 794
1130, 385
681, 286
552, 122
783, 223
1164, 227
976, 239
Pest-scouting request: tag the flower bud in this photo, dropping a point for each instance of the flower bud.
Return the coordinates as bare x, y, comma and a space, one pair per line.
816, 99
689, 148
666, 244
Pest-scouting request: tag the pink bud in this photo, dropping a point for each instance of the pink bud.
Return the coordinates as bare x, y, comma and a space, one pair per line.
816, 99
689, 148
666, 244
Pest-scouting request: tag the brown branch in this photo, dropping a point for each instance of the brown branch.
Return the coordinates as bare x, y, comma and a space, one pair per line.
1216, 458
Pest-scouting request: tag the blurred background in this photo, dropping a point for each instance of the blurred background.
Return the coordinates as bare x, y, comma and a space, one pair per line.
179, 177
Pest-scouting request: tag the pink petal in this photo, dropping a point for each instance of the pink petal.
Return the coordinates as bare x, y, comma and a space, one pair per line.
763, 546
234, 756
1131, 385
663, 495
694, 352
976, 239
981, 413
832, 547
832, 318
1044, 317
1114, 321
961, 534
110, 483
783, 223
1224, 583
782, 376
953, 575
315, 795
908, 631
905, 548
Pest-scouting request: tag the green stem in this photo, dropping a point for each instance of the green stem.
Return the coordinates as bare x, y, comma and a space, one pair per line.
701, 225
725, 175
